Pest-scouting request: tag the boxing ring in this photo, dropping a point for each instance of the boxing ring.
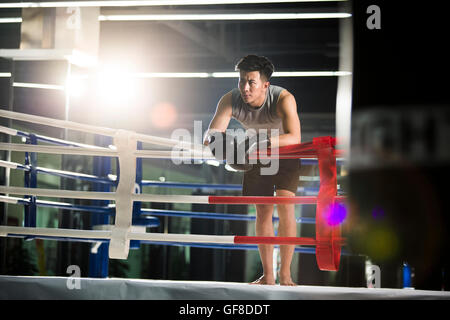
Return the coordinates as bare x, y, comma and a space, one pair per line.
326, 245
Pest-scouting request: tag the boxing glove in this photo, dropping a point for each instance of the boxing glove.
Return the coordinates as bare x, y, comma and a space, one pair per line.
218, 143
245, 148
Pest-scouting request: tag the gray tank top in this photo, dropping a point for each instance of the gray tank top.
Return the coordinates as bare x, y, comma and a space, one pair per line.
264, 117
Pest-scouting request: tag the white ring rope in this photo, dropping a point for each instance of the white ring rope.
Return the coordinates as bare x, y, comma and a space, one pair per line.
15, 165
93, 195
14, 132
99, 130
9, 164
12, 200
9, 131
69, 194
107, 234
58, 149
99, 151
15, 200
64, 124
175, 154
54, 232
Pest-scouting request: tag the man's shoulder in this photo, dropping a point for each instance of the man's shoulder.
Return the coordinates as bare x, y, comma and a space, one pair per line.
233, 97
285, 96
286, 102
225, 101
275, 87
230, 94
227, 96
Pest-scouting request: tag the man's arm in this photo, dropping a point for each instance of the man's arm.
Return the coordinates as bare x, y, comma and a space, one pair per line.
287, 111
221, 118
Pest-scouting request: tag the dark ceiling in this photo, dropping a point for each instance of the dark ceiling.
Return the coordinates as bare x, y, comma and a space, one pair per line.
217, 45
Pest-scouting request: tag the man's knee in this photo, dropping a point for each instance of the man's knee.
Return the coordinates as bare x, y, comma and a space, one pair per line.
285, 193
285, 209
263, 208
264, 212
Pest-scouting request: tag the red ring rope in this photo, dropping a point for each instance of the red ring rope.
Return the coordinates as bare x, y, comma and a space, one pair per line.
284, 240
266, 200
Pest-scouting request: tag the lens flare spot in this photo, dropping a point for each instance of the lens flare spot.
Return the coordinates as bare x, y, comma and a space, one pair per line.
378, 213
336, 214
164, 115
382, 243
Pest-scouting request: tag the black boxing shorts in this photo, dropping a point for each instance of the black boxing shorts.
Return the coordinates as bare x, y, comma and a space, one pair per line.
287, 177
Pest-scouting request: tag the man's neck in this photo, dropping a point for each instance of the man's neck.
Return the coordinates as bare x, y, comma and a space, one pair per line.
260, 102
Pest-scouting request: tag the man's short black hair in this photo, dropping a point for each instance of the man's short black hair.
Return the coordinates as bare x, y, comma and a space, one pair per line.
256, 63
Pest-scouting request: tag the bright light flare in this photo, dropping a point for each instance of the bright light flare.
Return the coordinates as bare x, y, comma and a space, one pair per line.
115, 85
76, 86
224, 16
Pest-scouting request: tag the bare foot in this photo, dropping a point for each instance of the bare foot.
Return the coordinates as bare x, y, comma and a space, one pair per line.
264, 280
286, 281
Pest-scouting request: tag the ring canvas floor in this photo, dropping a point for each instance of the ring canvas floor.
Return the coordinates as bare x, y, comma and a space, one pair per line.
56, 288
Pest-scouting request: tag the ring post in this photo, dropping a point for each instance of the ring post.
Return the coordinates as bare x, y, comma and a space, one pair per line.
137, 217
125, 142
328, 249
30, 182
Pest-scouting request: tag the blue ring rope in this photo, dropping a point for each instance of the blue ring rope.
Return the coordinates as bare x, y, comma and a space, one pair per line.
157, 212
217, 216
309, 250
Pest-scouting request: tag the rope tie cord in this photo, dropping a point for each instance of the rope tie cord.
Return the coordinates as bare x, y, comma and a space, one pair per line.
126, 144
328, 251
